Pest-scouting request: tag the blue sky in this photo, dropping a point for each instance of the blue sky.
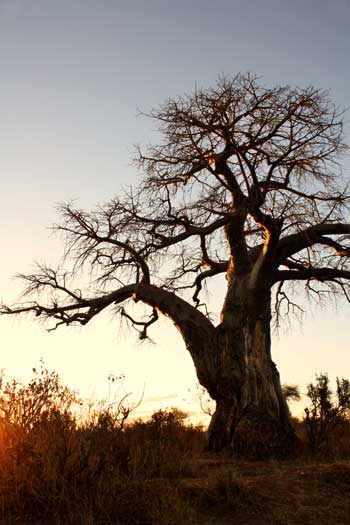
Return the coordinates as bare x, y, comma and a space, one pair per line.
74, 77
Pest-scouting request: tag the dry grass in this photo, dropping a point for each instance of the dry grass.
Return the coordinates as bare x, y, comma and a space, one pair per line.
156, 472
54, 469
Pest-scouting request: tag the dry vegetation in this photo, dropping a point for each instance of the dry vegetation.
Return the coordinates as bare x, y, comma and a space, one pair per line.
58, 468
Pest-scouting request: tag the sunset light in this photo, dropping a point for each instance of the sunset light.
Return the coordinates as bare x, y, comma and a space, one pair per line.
185, 229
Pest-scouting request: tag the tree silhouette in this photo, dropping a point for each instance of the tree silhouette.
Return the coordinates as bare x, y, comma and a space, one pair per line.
327, 411
246, 183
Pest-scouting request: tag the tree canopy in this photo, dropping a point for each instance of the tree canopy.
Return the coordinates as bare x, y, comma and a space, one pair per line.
245, 175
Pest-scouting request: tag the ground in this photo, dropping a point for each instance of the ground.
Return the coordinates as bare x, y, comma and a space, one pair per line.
270, 492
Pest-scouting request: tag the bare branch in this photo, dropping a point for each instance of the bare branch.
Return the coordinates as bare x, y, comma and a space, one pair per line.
145, 324
297, 242
245, 181
320, 274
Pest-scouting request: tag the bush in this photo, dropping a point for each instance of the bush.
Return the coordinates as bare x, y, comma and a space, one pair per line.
327, 411
56, 466
25, 406
163, 445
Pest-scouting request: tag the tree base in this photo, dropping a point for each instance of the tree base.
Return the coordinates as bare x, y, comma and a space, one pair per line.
264, 440
255, 438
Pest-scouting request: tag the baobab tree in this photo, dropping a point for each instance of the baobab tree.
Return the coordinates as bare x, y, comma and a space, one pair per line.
245, 182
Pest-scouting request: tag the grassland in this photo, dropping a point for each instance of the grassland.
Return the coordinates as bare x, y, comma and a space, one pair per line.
57, 468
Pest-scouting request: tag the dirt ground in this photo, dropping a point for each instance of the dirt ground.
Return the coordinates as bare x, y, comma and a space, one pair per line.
271, 492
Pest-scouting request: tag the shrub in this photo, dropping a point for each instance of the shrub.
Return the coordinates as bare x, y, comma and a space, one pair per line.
327, 411
56, 466
162, 446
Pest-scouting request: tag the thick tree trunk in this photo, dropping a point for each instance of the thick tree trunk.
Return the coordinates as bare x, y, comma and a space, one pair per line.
254, 422
251, 414
233, 362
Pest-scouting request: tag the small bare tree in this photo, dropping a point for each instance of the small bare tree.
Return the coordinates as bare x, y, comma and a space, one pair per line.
326, 411
245, 183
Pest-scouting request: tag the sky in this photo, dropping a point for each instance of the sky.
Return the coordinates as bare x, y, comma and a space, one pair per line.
75, 77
